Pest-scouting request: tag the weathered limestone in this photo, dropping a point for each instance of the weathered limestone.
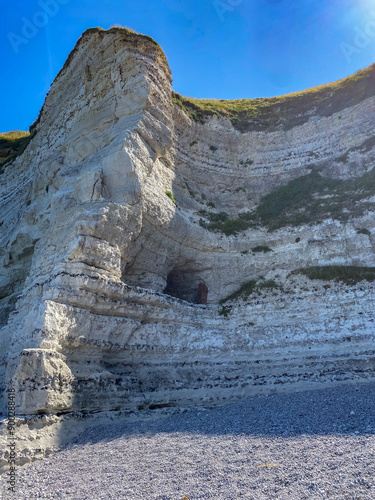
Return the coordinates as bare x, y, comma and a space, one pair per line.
91, 241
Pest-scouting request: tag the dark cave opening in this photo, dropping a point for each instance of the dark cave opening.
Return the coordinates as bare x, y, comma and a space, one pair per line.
186, 284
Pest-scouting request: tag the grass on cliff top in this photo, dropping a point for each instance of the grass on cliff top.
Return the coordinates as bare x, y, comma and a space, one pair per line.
269, 112
13, 136
12, 144
350, 275
123, 31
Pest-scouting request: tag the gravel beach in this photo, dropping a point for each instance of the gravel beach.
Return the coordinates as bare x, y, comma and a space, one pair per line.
306, 445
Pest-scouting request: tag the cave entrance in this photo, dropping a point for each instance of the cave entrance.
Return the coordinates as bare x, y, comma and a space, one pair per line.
186, 284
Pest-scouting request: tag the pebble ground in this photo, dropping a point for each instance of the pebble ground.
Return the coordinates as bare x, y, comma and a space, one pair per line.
308, 445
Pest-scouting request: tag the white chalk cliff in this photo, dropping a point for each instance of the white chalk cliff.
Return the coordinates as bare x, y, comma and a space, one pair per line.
132, 204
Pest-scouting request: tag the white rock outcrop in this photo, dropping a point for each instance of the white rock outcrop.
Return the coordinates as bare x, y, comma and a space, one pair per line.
91, 240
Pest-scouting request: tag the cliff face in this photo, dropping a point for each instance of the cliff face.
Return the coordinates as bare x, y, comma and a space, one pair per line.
131, 206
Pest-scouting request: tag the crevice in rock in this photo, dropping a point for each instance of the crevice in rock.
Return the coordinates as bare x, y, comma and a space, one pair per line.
158, 406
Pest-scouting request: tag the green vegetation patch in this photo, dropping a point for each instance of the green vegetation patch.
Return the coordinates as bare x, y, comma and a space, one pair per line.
13, 144
366, 146
261, 248
287, 110
169, 193
306, 200
363, 230
349, 275
311, 198
246, 163
298, 202
249, 287
244, 291
14, 136
224, 311
223, 223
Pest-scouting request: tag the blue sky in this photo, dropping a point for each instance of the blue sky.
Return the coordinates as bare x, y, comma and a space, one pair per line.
225, 49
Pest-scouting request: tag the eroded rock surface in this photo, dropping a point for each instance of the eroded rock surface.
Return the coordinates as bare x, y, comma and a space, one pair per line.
112, 276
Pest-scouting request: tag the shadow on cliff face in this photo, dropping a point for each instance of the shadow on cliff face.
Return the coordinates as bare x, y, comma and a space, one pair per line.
16, 265
343, 410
